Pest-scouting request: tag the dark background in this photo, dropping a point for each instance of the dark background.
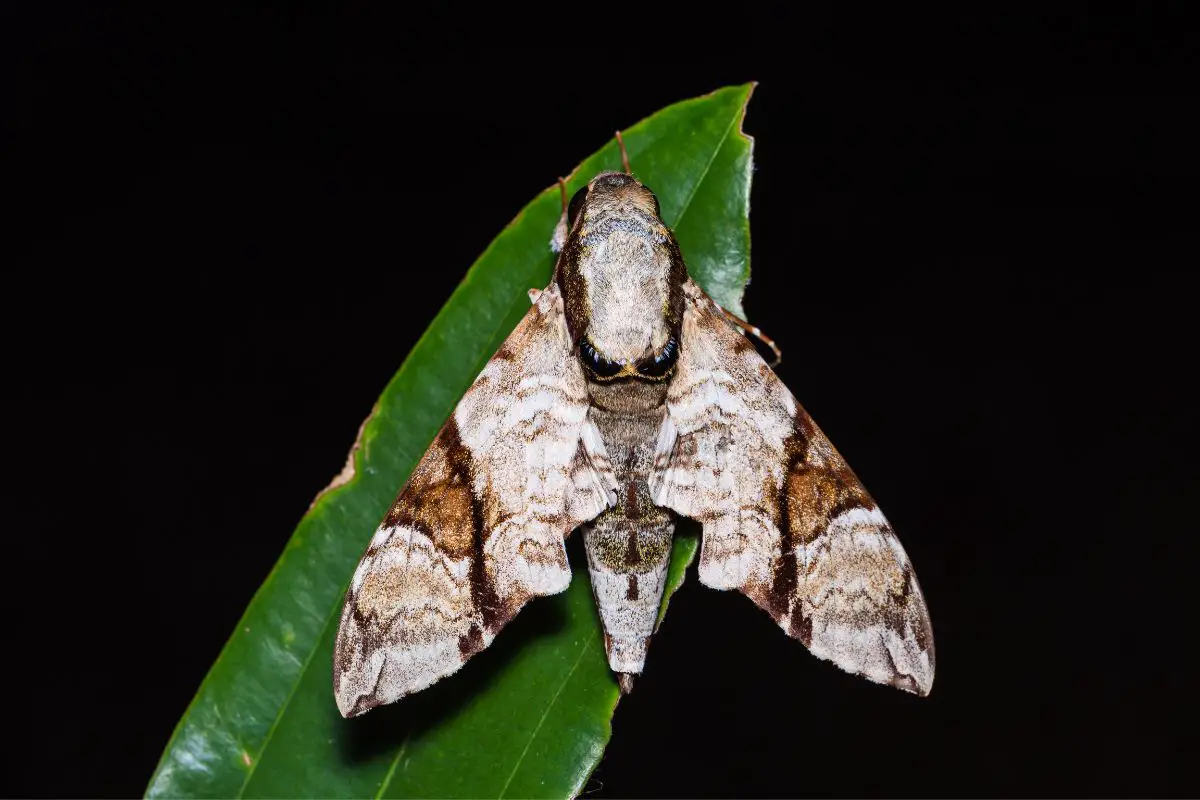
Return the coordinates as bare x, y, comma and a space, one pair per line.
972, 238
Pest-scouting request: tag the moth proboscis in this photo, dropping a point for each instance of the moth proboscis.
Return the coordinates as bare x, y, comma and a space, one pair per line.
624, 399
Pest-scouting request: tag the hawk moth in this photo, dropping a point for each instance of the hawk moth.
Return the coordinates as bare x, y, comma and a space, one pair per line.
624, 399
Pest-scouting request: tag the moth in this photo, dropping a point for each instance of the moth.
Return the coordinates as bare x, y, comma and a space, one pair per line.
624, 399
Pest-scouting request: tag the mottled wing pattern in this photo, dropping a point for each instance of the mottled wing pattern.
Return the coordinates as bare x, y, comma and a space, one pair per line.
785, 519
478, 529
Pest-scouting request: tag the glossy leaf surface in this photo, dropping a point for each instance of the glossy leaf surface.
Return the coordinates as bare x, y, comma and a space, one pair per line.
529, 716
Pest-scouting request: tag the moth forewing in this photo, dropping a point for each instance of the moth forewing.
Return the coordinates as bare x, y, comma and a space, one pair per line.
785, 519
478, 528
625, 397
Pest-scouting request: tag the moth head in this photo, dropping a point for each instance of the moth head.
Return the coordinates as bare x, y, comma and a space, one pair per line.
611, 193
621, 276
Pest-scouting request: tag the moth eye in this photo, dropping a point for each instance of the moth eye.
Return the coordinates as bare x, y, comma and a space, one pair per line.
575, 206
660, 364
598, 364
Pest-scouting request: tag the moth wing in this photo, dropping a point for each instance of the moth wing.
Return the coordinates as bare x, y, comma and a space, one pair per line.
785, 519
478, 529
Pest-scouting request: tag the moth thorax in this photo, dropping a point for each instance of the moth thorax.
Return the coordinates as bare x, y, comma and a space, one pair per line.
626, 282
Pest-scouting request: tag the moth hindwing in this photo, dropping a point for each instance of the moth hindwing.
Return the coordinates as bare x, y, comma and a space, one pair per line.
622, 400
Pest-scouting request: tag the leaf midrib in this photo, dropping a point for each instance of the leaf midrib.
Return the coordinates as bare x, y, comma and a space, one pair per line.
282, 709
682, 213
387, 779
583, 649
707, 168
578, 659
399, 753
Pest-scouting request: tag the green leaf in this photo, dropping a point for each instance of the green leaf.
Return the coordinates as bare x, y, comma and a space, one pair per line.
530, 716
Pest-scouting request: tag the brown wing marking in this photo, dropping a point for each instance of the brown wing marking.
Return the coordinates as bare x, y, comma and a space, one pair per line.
478, 529
785, 519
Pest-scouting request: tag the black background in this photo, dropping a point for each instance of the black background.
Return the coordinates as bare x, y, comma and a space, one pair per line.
972, 238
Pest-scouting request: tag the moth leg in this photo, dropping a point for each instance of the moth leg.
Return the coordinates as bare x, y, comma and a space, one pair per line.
752, 330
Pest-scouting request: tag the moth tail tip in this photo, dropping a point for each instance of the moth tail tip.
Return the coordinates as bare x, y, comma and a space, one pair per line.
625, 681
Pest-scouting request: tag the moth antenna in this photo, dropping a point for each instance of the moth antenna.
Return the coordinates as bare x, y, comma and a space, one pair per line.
562, 190
624, 155
751, 330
